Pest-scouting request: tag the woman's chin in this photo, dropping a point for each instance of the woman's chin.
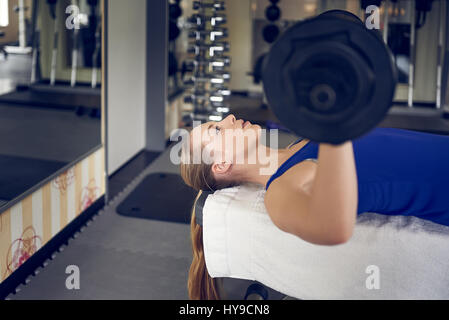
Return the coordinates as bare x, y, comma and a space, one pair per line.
256, 128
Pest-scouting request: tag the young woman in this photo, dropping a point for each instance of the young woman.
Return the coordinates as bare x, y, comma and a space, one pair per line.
318, 189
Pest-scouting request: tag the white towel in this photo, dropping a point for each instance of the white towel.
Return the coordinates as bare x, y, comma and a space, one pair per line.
388, 257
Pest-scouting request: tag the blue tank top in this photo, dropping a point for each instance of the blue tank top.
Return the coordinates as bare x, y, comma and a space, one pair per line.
399, 172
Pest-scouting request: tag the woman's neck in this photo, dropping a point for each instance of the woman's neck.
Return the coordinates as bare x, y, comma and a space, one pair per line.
265, 166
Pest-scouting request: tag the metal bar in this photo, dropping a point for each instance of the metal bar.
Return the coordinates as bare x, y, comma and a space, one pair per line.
55, 50
440, 55
386, 16
445, 69
35, 43
412, 54
22, 30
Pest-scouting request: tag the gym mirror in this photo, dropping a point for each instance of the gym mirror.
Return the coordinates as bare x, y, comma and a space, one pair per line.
50, 108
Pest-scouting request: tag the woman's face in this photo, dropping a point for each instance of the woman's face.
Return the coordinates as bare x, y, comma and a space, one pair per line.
229, 140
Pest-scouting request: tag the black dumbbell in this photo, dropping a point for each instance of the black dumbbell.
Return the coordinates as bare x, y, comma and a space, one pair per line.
327, 88
213, 35
218, 50
216, 64
203, 95
223, 92
224, 61
216, 5
270, 33
214, 48
273, 13
175, 11
173, 30
218, 20
215, 20
216, 81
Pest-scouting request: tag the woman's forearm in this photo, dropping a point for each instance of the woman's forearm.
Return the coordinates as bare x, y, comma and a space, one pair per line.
333, 201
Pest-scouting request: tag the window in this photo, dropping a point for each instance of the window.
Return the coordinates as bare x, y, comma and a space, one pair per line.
4, 13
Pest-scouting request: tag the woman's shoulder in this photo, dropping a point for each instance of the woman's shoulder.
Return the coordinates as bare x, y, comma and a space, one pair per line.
288, 197
298, 179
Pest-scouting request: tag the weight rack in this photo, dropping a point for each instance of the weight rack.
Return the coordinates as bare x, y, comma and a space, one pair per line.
208, 67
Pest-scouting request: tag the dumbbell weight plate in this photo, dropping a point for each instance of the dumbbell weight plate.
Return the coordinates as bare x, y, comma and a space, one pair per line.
172, 64
173, 30
175, 11
270, 33
329, 79
272, 13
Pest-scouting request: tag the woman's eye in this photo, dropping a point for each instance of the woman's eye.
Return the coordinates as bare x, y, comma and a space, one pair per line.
217, 130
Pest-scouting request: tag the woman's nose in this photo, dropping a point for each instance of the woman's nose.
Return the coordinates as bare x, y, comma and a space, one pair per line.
231, 118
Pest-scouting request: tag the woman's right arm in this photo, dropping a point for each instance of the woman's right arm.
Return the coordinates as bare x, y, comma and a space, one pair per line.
319, 208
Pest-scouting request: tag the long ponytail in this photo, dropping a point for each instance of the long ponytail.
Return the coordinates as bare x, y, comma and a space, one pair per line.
200, 285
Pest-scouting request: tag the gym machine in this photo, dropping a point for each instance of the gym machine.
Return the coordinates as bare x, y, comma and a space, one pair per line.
402, 21
24, 26
207, 70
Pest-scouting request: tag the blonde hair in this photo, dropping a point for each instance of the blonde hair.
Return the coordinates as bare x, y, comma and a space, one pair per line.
200, 285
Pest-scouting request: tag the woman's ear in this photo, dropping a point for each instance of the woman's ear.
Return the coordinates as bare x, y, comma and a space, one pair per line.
221, 168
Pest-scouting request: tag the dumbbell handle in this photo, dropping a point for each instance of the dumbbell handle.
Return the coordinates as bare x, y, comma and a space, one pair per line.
214, 81
215, 64
201, 45
215, 93
213, 35
212, 78
215, 20
216, 5
226, 60
204, 96
214, 49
